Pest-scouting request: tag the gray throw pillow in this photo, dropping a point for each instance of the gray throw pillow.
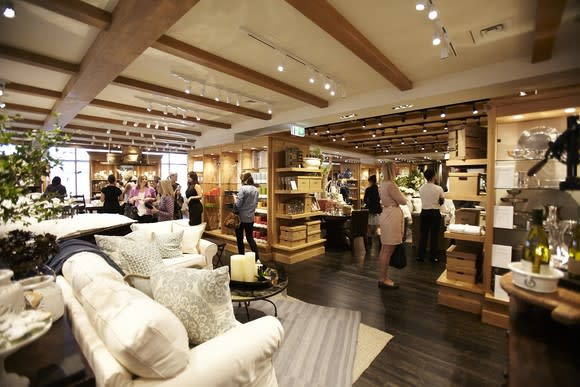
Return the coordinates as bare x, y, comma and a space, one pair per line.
201, 299
169, 243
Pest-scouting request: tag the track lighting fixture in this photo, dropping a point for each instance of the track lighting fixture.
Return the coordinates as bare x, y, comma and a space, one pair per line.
433, 13
364, 125
475, 111
2, 105
327, 84
281, 64
156, 125
8, 9
374, 134
442, 115
165, 110
436, 40
269, 109
420, 5
334, 139
2, 86
424, 129
135, 124
166, 128
188, 88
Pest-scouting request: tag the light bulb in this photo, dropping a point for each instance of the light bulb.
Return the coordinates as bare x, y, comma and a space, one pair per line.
9, 11
311, 79
436, 40
420, 5
433, 13
327, 85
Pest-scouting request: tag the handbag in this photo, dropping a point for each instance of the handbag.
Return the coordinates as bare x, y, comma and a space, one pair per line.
131, 211
232, 220
398, 259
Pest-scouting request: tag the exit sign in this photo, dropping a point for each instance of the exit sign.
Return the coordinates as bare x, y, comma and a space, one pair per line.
296, 130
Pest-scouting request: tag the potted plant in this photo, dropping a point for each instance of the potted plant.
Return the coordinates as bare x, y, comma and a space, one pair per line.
22, 251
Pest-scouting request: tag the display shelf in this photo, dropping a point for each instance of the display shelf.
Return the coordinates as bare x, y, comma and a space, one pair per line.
468, 198
301, 170
303, 246
466, 163
260, 225
464, 237
472, 288
261, 211
299, 216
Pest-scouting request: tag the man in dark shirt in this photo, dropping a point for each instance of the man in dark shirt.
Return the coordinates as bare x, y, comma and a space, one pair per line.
55, 189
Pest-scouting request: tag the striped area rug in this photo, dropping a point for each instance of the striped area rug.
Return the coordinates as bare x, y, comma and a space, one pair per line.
319, 344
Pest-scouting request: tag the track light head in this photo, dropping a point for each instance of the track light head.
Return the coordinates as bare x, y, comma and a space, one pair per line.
420, 5
8, 9
433, 13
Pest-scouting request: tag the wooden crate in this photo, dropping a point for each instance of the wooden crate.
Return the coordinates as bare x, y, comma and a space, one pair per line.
312, 237
467, 276
315, 184
469, 142
461, 265
293, 235
464, 183
295, 243
460, 299
313, 227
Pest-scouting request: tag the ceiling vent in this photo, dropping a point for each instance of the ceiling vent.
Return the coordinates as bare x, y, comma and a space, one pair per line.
490, 33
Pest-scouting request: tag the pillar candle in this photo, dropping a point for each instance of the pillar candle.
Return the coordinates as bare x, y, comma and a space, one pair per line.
237, 263
250, 268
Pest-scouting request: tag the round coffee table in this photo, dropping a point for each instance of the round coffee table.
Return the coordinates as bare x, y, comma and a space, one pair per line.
246, 296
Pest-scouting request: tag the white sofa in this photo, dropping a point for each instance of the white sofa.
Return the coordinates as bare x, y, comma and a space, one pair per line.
242, 356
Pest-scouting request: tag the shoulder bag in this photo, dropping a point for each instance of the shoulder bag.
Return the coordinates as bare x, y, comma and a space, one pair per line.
232, 220
398, 259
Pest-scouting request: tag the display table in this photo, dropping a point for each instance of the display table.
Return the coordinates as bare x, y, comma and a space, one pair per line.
544, 336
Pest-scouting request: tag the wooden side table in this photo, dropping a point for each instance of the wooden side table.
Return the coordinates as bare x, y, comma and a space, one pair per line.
544, 336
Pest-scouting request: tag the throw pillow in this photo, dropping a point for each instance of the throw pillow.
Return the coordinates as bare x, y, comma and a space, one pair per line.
152, 227
140, 258
201, 299
110, 245
169, 243
191, 236
141, 334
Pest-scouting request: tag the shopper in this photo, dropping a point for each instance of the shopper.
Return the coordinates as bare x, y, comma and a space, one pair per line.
143, 197
372, 202
166, 203
245, 204
431, 199
55, 189
178, 200
391, 222
111, 195
193, 196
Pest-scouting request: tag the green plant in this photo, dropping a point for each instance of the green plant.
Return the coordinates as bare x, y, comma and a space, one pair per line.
414, 180
25, 168
22, 251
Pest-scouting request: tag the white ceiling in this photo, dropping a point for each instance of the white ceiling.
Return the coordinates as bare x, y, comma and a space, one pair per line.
494, 66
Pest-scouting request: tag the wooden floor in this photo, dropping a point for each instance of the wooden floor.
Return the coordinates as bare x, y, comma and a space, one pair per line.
432, 346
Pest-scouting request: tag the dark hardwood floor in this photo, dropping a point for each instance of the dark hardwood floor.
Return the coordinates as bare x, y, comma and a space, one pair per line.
432, 346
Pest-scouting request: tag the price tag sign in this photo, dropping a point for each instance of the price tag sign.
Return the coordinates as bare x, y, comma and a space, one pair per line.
296, 130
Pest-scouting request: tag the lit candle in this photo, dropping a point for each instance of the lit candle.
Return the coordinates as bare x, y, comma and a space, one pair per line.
237, 264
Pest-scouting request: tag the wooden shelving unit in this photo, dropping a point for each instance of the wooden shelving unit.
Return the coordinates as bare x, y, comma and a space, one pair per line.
464, 237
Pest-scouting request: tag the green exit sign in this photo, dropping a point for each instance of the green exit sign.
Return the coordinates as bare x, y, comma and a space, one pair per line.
296, 130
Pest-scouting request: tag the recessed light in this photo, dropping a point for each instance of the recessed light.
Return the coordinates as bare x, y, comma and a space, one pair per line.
347, 116
403, 106
569, 110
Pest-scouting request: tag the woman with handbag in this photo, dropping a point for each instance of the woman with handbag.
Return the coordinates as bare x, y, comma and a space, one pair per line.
193, 196
391, 222
245, 204
372, 202
142, 197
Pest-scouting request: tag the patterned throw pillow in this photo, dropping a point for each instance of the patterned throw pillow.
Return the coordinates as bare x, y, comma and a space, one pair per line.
111, 245
140, 257
199, 298
169, 243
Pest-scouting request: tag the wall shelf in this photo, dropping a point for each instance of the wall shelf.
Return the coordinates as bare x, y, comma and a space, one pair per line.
464, 237
299, 216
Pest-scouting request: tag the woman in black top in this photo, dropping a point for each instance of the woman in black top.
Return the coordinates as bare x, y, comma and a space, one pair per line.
372, 202
110, 196
193, 196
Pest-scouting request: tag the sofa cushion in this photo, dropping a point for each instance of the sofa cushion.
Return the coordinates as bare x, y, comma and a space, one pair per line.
152, 227
191, 236
141, 334
169, 243
199, 298
83, 268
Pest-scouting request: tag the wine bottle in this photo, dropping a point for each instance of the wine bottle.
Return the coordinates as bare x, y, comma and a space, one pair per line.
536, 247
574, 253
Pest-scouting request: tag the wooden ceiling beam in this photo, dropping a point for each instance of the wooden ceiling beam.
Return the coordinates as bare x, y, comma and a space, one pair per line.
185, 51
64, 67
101, 19
113, 121
116, 48
325, 16
77, 10
151, 88
548, 18
30, 58
135, 109
32, 90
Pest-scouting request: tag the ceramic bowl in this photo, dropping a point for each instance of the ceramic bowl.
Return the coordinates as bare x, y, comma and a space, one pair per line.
311, 162
540, 283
